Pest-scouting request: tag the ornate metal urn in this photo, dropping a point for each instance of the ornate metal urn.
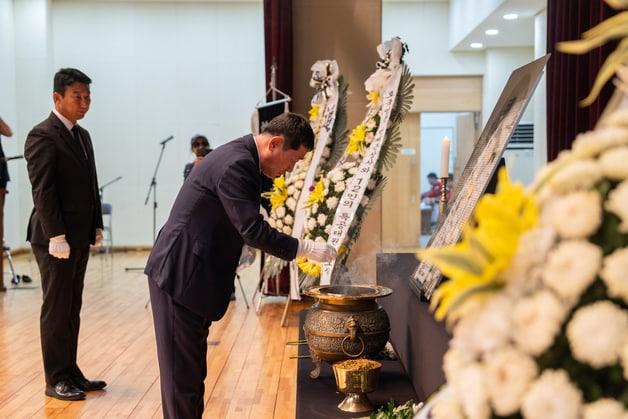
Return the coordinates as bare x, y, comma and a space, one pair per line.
345, 322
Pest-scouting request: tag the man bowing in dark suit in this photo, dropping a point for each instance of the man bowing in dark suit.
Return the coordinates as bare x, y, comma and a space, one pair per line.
66, 219
192, 266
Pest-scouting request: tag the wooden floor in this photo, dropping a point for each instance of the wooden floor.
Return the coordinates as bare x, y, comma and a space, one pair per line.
250, 373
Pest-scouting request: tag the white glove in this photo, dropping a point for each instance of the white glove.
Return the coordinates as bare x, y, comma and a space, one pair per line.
58, 247
317, 252
98, 237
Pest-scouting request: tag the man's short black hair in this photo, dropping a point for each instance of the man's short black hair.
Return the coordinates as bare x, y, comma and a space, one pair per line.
432, 174
295, 129
68, 76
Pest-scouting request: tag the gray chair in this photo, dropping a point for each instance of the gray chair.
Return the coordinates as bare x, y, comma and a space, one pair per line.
107, 241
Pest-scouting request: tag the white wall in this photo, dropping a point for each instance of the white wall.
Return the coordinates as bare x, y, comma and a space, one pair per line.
424, 26
500, 62
158, 69
12, 232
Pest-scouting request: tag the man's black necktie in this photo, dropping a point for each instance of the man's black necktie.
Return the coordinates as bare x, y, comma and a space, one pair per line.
77, 137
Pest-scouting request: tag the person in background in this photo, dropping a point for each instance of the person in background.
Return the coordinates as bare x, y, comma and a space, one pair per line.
65, 220
5, 130
191, 269
432, 195
200, 147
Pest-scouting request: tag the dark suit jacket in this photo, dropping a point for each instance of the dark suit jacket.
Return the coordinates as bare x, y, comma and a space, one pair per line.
216, 211
65, 186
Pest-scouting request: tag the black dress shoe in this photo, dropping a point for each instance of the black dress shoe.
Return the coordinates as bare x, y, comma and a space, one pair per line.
64, 390
87, 385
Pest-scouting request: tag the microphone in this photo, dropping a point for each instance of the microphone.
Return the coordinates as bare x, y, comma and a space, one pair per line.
21, 156
166, 140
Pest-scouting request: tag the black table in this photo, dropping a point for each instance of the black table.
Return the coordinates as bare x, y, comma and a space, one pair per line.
319, 398
419, 340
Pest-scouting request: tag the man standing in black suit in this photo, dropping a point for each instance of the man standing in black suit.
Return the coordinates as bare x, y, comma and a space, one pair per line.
192, 267
66, 219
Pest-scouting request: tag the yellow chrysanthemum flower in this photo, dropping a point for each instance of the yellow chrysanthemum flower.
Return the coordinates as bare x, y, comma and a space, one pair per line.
357, 138
317, 195
314, 112
279, 194
488, 245
308, 267
373, 97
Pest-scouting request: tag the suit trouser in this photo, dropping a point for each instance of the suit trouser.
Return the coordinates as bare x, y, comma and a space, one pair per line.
182, 354
62, 287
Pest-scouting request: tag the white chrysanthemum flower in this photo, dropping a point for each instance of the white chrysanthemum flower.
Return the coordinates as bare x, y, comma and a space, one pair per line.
509, 375
272, 223
353, 171
322, 219
328, 229
364, 201
279, 224
288, 220
370, 124
536, 320
447, 408
311, 224
469, 386
575, 215
604, 409
371, 185
592, 143
280, 211
571, 267
287, 230
291, 190
552, 396
339, 186
347, 165
291, 203
614, 269
524, 273
314, 208
337, 176
485, 329
326, 152
614, 163
301, 176
331, 202
618, 118
298, 184
454, 360
578, 175
617, 203
319, 239
597, 332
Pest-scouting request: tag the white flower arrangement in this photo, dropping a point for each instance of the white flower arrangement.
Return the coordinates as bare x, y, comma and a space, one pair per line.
287, 188
326, 193
542, 323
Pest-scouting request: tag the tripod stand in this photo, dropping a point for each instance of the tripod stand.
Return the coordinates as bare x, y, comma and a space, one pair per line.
153, 188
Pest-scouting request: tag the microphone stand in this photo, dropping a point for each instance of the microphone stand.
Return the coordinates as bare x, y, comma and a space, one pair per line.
153, 188
100, 190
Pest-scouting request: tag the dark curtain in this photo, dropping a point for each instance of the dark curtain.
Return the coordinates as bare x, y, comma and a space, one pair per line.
278, 42
570, 77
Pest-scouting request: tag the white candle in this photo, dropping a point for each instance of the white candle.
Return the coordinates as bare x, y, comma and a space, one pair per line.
444, 157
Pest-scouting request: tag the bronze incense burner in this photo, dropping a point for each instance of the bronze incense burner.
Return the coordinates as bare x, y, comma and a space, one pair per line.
345, 322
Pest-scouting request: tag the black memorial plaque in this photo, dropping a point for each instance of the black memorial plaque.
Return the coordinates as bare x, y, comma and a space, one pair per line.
480, 167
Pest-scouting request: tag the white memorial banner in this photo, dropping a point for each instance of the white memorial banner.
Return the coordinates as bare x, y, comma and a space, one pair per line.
357, 185
324, 78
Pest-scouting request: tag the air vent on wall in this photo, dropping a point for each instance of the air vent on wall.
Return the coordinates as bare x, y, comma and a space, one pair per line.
522, 138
